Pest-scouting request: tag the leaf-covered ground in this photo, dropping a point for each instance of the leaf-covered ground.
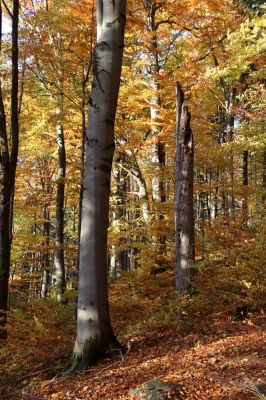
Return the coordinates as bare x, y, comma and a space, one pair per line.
219, 360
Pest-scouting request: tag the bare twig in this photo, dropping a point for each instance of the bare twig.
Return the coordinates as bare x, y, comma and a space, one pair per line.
22, 378
7, 9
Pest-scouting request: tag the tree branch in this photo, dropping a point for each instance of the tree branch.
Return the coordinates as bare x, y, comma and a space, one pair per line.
165, 21
7, 9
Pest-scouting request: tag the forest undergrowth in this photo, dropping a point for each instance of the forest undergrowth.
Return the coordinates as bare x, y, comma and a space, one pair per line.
207, 345
220, 360
210, 345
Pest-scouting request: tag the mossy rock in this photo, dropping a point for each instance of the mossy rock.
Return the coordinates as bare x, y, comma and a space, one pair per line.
157, 390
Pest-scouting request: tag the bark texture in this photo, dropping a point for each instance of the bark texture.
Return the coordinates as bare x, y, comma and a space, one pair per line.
95, 337
118, 195
59, 261
185, 249
158, 157
158, 149
136, 174
45, 258
8, 163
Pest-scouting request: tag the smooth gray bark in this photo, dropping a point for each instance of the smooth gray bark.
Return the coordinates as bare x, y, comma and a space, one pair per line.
45, 258
95, 337
136, 174
82, 158
82, 163
158, 149
59, 260
118, 194
184, 218
129, 163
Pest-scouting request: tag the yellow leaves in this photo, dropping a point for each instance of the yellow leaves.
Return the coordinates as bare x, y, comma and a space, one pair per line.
38, 323
247, 285
243, 44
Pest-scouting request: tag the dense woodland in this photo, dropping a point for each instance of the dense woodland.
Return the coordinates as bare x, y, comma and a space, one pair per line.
132, 199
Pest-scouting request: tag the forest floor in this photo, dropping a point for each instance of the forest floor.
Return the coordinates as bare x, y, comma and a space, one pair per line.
216, 359
221, 363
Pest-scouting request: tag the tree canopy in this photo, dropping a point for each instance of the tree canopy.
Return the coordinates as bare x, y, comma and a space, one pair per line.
141, 213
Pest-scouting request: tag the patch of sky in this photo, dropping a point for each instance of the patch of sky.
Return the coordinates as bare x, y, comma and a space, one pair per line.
6, 26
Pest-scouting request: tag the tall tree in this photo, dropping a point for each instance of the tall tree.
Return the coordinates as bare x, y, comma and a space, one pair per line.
264, 177
185, 248
59, 259
63, 72
245, 185
158, 149
95, 336
8, 163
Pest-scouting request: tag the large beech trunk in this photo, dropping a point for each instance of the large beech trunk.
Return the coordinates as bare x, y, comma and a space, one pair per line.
82, 161
95, 337
185, 249
8, 163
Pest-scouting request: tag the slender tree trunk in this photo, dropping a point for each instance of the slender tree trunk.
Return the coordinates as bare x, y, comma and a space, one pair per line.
45, 258
216, 201
4, 220
142, 187
14, 111
45, 284
113, 265
4, 209
227, 120
95, 337
59, 261
46, 5
136, 183
264, 177
245, 185
114, 217
255, 184
119, 197
8, 163
229, 97
228, 128
158, 148
136, 174
185, 248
